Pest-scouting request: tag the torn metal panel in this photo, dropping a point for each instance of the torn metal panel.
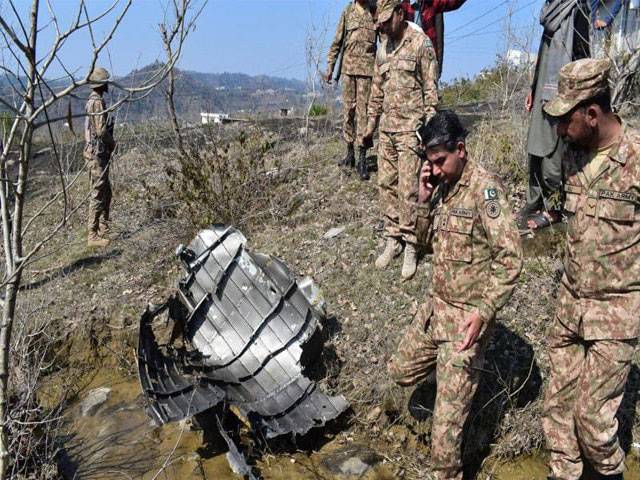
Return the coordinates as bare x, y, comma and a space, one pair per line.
235, 457
172, 393
246, 321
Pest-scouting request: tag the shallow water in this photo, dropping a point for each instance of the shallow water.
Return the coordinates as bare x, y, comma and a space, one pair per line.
118, 441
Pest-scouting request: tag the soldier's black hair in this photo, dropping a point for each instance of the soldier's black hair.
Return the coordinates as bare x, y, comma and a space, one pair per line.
444, 128
603, 100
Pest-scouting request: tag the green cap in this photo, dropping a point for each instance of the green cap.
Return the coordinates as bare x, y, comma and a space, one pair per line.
99, 76
386, 8
579, 81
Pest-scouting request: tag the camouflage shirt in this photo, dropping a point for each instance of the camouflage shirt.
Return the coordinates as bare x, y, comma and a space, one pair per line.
602, 258
404, 91
97, 135
477, 256
356, 37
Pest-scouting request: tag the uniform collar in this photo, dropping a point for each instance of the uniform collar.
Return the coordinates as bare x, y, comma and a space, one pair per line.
463, 181
620, 151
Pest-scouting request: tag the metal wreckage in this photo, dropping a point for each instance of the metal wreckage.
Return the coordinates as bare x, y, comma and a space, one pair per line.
241, 324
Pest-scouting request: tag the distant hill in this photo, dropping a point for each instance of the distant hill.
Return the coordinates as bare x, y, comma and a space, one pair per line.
196, 92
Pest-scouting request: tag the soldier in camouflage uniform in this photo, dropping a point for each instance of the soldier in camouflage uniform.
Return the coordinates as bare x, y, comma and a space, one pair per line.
404, 96
477, 259
98, 133
356, 36
595, 330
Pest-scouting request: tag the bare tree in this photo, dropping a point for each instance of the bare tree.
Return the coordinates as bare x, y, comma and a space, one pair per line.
29, 100
174, 30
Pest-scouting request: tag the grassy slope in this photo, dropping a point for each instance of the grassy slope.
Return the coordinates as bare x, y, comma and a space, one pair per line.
96, 296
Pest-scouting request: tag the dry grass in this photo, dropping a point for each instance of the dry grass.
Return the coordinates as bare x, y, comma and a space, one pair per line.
97, 296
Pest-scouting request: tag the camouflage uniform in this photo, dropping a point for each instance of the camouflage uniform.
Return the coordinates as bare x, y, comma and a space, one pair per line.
356, 37
97, 151
476, 263
403, 96
595, 331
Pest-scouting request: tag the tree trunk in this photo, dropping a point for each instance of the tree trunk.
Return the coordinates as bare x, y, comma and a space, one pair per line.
8, 314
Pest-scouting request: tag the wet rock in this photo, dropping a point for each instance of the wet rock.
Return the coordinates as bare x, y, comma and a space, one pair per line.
94, 400
352, 460
353, 466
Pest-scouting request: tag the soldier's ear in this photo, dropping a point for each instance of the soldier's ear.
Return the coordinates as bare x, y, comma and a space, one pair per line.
461, 149
592, 114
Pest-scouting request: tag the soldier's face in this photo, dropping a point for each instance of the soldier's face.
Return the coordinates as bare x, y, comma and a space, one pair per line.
393, 26
446, 165
578, 126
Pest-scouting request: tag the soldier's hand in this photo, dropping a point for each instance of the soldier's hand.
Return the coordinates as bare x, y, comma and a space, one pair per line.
471, 328
328, 77
528, 102
367, 138
425, 187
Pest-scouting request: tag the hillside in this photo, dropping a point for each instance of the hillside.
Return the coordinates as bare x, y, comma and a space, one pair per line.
91, 302
195, 92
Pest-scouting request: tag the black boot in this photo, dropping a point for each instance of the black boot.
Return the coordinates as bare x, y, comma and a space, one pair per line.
363, 169
350, 159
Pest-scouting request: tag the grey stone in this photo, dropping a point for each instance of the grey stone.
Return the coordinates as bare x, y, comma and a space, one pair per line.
333, 233
354, 466
94, 400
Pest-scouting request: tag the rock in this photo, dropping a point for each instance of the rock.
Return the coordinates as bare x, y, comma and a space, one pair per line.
333, 232
94, 400
373, 415
353, 466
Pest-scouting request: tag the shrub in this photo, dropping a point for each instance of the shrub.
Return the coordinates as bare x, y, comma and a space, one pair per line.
317, 110
225, 181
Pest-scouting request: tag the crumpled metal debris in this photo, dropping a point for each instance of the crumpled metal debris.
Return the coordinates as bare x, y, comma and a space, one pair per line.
242, 322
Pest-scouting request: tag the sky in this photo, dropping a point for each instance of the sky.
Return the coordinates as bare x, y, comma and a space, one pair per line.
270, 37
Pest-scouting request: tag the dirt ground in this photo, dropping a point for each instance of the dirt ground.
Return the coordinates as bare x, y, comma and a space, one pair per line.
95, 297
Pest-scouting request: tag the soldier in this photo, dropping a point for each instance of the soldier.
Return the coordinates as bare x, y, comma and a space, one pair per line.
98, 134
595, 330
477, 259
356, 37
404, 95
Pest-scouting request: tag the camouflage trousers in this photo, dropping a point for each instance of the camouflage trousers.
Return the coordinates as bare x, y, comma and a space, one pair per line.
100, 195
457, 376
398, 168
355, 100
585, 390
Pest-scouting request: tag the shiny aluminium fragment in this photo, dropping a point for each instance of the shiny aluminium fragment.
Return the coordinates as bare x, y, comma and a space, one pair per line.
242, 324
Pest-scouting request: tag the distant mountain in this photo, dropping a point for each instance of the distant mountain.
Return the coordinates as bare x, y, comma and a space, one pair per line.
231, 93
195, 92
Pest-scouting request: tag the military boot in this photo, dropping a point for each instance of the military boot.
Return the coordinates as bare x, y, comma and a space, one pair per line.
95, 241
410, 261
363, 169
392, 250
104, 230
350, 158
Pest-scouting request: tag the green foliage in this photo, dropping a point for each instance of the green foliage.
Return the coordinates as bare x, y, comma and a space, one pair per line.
318, 110
499, 144
485, 86
226, 182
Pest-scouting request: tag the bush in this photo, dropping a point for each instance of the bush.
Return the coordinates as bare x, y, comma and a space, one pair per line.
317, 110
228, 182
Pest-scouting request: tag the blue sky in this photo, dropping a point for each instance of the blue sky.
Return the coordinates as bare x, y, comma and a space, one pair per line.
269, 36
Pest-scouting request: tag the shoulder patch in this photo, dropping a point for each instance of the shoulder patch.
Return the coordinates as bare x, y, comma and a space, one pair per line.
490, 194
492, 209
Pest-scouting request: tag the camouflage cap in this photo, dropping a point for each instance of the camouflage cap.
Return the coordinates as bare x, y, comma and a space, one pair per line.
386, 8
99, 76
579, 80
